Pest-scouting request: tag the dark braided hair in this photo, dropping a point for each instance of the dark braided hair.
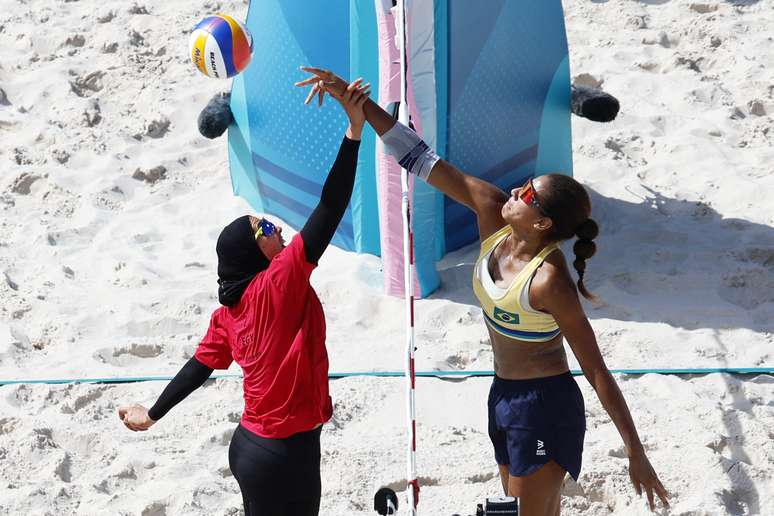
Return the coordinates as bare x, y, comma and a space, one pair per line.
584, 249
568, 206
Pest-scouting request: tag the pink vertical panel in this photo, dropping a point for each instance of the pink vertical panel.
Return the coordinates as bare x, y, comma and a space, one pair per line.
388, 170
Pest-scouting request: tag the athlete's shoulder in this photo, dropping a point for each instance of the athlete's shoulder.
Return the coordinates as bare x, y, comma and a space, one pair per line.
292, 252
218, 314
552, 279
290, 267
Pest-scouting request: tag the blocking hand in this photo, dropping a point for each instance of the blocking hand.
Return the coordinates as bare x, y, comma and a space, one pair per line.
331, 83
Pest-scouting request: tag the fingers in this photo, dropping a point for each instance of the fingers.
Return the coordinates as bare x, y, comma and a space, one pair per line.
365, 92
319, 73
310, 80
134, 426
132, 419
128, 424
359, 97
353, 86
314, 70
651, 503
652, 486
319, 90
636, 484
311, 94
361, 100
662, 493
357, 92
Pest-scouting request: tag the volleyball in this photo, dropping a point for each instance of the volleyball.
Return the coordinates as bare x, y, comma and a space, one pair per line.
220, 46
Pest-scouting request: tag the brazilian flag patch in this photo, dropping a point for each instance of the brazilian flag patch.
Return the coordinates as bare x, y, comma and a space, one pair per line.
506, 317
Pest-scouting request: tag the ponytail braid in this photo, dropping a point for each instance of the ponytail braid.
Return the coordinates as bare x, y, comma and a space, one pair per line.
584, 249
568, 205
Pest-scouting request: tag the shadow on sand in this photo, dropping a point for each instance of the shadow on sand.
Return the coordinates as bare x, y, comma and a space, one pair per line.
663, 260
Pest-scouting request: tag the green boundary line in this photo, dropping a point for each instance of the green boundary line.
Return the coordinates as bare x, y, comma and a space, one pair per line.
400, 374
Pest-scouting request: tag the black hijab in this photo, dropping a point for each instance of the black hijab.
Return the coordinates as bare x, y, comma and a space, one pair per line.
239, 260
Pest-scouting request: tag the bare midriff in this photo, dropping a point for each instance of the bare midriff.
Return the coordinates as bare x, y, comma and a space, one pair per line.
520, 360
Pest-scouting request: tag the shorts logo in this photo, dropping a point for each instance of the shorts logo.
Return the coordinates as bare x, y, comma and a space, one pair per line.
540, 449
506, 317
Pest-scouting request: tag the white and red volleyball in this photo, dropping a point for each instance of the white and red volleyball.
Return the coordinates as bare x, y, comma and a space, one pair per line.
221, 46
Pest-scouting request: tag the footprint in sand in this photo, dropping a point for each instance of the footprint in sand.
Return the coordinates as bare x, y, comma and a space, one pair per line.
63, 468
106, 17
42, 438
627, 283
400, 485
138, 9
459, 360
124, 355
109, 199
155, 509
87, 85
22, 185
572, 488
157, 128
345, 411
482, 478
81, 402
8, 424
763, 256
748, 289
593, 488
150, 176
223, 438
738, 501
704, 8
75, 236
637, 22
102, 487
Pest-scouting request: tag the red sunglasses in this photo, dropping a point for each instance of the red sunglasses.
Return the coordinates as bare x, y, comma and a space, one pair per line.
528, 194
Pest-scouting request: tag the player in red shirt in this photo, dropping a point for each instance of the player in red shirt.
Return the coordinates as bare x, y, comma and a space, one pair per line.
272, 324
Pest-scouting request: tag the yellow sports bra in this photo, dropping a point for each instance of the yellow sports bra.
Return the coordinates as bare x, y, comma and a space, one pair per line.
507, 311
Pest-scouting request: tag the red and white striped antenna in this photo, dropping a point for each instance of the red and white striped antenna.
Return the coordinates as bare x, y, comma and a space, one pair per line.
412, 489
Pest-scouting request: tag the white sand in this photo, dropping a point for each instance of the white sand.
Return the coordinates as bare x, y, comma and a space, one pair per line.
105, 275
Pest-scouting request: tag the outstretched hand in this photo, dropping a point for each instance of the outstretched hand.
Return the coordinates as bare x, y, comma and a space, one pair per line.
643, 476
135, 417
352, 97
322, 81
352, 100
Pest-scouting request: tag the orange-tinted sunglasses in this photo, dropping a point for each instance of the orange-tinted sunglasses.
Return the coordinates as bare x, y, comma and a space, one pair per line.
529, 196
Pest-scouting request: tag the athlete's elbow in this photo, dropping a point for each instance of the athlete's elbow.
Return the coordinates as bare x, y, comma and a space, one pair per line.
597, 375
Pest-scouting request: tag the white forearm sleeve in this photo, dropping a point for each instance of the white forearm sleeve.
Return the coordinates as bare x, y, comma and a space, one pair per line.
409, 150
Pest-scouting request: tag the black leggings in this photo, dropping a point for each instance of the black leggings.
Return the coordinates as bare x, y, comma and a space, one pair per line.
278, 477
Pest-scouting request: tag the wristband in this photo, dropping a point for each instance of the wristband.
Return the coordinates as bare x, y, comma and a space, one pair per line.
409, 150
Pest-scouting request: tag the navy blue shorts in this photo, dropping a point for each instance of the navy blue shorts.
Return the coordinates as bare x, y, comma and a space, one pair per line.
535, 421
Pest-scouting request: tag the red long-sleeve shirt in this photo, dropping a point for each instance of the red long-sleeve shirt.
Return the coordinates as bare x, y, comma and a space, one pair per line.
276, 333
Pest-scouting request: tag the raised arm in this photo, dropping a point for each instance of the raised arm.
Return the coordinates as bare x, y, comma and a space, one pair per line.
337, 190
484, 198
